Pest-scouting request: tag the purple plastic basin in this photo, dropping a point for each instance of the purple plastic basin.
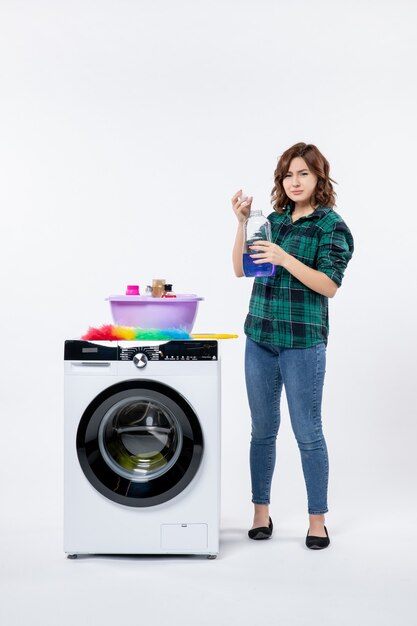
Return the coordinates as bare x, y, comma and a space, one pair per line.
149, 312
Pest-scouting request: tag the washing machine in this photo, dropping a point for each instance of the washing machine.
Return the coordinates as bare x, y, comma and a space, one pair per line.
142, 447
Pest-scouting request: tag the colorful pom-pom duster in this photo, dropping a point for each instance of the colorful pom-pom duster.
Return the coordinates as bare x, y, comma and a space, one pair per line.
110, 332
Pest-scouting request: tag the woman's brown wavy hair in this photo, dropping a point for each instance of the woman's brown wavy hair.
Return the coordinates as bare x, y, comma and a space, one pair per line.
324, 193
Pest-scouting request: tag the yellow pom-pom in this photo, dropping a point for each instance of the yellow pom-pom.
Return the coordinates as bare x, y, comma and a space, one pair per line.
124, 333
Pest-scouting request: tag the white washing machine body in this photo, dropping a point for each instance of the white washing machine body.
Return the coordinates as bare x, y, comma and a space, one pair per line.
142, 447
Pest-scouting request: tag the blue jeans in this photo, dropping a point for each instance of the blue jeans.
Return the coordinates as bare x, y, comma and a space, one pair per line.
301, 371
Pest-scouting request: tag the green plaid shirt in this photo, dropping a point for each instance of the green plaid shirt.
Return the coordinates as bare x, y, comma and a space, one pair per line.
282, 310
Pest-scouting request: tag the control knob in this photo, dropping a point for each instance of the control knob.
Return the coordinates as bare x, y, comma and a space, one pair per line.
140, 360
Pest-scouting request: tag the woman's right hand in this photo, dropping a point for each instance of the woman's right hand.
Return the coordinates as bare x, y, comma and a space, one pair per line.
241, 206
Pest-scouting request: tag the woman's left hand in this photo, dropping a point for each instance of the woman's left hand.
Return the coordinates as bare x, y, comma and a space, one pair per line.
265, 251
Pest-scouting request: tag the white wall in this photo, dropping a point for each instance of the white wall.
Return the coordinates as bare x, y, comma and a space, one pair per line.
125, 128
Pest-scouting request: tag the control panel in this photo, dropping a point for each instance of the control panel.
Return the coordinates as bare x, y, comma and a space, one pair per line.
171, 351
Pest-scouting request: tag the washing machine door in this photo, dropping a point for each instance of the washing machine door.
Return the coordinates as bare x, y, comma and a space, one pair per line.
139, 443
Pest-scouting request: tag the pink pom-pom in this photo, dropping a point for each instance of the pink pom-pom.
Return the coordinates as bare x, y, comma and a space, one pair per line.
104, 333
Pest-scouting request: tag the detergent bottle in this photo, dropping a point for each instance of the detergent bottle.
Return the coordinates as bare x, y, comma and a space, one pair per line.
132, 290
257, 227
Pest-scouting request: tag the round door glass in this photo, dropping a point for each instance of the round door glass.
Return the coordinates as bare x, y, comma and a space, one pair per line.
140, 438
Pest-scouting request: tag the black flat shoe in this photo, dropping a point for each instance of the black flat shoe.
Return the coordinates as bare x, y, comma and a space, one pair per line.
263, 532
317, 543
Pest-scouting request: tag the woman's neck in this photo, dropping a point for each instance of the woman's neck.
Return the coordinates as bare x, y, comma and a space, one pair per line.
303, 209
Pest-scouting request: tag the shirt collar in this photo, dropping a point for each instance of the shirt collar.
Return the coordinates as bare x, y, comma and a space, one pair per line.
320, 211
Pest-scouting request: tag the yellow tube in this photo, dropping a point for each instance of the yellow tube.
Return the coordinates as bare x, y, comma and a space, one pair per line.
214, 336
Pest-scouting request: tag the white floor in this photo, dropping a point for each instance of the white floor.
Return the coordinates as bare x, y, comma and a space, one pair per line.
366, 577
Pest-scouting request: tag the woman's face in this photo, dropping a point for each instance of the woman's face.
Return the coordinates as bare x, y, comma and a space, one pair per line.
299, 182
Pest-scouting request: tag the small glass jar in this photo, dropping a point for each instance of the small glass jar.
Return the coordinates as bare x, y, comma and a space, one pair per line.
158, 287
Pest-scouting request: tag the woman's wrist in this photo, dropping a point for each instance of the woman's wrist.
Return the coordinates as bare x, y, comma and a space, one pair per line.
286, 261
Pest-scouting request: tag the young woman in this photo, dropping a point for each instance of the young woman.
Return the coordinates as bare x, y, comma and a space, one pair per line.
287, 326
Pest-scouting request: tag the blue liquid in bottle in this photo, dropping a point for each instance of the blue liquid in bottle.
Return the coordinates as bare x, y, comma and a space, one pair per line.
257, 228
258, 269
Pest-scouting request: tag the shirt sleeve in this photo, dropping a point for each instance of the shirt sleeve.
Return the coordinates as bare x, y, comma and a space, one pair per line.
335, 251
